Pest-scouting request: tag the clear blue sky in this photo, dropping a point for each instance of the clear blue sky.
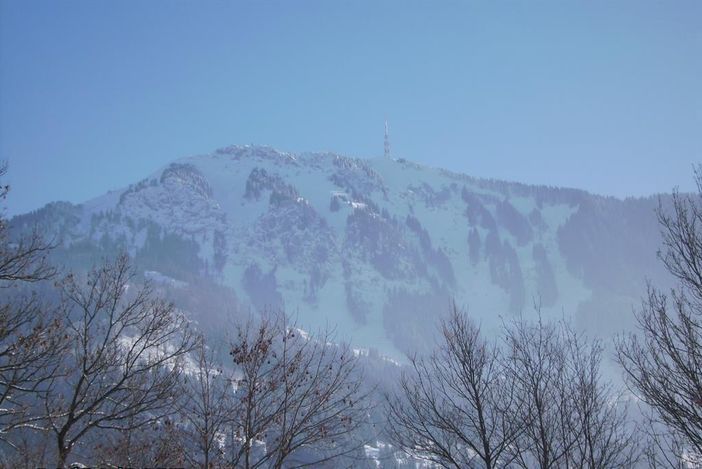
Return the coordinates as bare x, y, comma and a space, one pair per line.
600, 95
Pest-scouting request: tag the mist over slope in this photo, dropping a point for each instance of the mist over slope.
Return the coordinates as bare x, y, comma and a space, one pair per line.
376, 247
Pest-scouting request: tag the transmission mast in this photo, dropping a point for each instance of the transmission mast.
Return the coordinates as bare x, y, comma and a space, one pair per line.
387, 141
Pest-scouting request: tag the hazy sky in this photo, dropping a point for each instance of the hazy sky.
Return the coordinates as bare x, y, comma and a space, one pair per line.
600, 95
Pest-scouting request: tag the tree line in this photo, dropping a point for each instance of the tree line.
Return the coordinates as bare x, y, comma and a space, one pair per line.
96, 368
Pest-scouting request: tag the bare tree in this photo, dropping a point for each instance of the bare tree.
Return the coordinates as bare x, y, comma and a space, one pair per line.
24, 259
31, 344
536, 367
606, 437
455, 407
31, 340
663, 362
538, 401
300, 397
574, 418
209, 404
124, 363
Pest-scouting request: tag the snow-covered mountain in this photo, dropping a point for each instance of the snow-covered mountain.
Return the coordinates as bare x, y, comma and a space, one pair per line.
376, 247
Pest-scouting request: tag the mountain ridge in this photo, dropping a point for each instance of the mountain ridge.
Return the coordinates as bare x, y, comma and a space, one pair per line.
375, 246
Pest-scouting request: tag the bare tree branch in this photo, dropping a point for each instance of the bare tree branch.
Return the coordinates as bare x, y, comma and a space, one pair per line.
125, 360
663, 362
31, 336
300, 396
209, 404
454, 407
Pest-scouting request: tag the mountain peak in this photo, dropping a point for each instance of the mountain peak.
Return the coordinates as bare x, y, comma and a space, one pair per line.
375, 246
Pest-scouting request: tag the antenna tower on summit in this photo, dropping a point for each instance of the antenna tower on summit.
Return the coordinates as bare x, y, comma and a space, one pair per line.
387, 141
